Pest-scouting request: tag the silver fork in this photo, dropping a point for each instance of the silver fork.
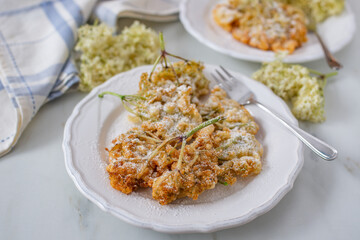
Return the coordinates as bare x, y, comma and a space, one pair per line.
242, 94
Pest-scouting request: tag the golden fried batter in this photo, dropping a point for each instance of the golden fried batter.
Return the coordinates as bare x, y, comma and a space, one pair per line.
157, 154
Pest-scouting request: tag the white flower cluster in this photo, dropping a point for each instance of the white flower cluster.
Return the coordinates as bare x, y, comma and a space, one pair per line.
321, 9
293, 83
104, 54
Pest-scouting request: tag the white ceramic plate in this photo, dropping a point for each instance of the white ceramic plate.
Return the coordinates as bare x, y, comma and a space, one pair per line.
95, 122
154, 7
336, 31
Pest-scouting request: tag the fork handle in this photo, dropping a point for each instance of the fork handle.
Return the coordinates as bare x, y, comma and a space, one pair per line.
322, 149
330, 59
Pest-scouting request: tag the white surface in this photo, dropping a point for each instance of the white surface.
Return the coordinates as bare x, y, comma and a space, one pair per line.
197, 19
38, 200
86, 160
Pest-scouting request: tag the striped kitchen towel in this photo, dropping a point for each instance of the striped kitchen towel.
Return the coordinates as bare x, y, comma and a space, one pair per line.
36, 39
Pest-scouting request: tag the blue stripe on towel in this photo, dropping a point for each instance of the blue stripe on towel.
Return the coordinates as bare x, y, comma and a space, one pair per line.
106, 15
48, 72
29, 92
68, 84
74, 10
69, 67
59, 23
14, 102
38, 89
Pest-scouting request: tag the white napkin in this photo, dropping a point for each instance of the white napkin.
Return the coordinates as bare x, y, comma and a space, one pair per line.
109, 11
36, 38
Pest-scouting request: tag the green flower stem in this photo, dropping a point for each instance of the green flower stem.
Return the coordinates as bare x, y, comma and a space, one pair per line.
173, 70
153, 69
183, 139
122, 97
223, 183
173, 149
203, 125
322, 75
315, 72
163, 59
332, 74
153, 154
179, 163
129, 109
150, 138
126, 99
162, 42
192, 132
178, 57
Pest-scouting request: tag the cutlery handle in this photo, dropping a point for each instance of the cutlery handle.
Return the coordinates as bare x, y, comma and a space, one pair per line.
322, 149
332, 62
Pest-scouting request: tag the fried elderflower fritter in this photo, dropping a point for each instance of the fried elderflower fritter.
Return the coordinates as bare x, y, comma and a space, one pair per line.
151, 155
183, 146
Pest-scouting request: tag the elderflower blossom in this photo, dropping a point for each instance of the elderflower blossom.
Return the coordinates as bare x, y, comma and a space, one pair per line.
104, 54
293, 83
321, 9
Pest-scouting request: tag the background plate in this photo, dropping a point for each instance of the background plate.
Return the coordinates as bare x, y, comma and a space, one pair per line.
195, 15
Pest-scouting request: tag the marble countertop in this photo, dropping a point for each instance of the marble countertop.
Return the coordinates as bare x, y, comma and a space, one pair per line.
38, 200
